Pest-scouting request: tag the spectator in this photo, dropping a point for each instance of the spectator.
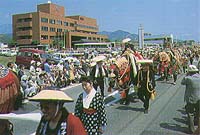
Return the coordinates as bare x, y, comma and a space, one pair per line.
192, 96
21, 71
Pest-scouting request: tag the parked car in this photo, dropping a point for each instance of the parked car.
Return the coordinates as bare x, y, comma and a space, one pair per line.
26, 55
4, 51
50, 57
13, 53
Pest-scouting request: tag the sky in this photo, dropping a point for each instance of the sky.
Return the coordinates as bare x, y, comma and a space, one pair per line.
178, 17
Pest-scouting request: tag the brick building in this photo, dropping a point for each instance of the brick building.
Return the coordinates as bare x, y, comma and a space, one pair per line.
50, 26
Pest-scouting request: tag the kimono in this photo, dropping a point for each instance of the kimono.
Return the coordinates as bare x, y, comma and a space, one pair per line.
67, 125
91, 110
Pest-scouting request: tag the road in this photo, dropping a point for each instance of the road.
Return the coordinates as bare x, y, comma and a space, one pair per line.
166, 116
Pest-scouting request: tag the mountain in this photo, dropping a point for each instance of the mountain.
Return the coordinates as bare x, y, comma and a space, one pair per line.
5, 38
119, 35
5, 28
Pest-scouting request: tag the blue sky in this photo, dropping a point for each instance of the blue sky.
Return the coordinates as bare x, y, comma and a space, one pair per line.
178, 17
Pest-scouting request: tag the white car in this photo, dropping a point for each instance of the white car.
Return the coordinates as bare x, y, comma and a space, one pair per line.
4, 51
13, 52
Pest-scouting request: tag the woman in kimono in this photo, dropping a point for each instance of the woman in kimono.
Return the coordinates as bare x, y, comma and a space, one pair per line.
90, 108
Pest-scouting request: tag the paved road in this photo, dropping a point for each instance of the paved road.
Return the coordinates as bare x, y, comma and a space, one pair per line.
166, 115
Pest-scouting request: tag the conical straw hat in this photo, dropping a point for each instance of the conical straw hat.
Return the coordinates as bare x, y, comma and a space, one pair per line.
99, 58
51, 95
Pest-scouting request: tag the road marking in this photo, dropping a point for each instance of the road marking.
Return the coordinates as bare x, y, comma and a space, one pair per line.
70, 86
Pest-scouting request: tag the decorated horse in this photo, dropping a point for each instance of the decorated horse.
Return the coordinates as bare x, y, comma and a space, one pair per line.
9, 93
167, 62
9, 90
125, 71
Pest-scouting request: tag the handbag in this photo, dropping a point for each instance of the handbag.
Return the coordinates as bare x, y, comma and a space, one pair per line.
153, 95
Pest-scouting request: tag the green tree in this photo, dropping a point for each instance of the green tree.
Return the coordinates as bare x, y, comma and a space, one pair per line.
35, 42
12, 43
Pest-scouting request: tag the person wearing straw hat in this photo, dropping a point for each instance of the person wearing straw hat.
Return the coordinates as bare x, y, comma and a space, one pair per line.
192, 97
145, 81
98, 73
90, 108
56, 120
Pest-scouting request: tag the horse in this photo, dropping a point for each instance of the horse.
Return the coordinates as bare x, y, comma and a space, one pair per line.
9, 94
125, 71
9, 90
167, 63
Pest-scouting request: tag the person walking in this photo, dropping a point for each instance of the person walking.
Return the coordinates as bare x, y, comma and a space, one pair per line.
90, 108
145, 81
56, 119
192, 96
98, 74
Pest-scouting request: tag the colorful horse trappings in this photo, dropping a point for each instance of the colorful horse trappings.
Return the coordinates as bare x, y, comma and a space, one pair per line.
9, 89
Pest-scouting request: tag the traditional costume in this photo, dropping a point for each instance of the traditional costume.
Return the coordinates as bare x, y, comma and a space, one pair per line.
98, 74
90, 109
145, 81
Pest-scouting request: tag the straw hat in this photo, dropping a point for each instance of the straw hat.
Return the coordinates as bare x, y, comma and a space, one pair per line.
192, 68
32, 62
51, 95
99, 58
144, 61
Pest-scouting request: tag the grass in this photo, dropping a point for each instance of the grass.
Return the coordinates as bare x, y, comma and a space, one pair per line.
4, 60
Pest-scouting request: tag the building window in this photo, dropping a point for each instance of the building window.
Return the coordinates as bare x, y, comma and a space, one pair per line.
52, 29
44, 28
66, 30
52, 21
52, 37
45, 20
44, 37
59, 22
59, 30
81, 18
71, 25
24, 20
66, 24
24, 28
25, 37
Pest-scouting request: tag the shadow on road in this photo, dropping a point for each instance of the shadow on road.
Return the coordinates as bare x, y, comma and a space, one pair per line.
182, 111
174, 127
130, 108
181, 120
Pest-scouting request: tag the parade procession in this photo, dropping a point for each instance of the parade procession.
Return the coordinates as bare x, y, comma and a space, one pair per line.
61, 76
